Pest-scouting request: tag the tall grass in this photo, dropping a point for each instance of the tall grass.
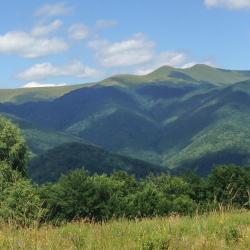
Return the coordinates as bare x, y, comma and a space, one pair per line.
217, 230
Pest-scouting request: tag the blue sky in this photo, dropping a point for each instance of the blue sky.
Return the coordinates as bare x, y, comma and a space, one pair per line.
67, 42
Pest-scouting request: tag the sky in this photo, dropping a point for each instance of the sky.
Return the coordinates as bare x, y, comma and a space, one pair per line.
49, 43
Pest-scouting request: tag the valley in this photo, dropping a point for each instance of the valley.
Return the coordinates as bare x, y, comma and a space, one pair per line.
177, 118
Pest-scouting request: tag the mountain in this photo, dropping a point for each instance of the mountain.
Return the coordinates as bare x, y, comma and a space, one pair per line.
22, 95
197, 74
40, 139
67, 157
176, 118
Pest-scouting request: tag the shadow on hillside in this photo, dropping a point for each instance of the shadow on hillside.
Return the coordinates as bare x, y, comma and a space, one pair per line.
205, 164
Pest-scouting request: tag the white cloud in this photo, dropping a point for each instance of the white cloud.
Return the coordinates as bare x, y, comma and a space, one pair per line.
43, 30
103, 24
78, 31
170, 58
52, 10
26, 45
230, 4
133, 51
42, 85
139, 52
45, 70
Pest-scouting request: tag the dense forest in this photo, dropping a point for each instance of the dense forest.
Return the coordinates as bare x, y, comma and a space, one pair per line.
99, 197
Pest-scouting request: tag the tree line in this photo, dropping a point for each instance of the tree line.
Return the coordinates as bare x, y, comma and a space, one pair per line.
79, 195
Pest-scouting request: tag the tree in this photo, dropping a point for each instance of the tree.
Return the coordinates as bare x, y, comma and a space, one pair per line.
230, 184
13, 149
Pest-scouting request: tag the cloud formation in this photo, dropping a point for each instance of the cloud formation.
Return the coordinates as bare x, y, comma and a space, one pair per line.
229, 4
43, 71
133, 51
52, 10
25, 45
43, 30
138, 53
170, 58
78, 31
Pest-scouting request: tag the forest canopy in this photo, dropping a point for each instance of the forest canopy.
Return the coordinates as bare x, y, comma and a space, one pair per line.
79, 194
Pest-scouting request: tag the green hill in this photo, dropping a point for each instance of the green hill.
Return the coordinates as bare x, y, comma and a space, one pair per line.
197, 74
22, 95
177, 118
40, 139
62, 159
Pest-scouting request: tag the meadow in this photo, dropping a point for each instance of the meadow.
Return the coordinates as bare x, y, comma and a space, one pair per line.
216, 230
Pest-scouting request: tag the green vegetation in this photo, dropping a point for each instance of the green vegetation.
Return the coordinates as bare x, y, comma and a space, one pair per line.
19, 199
100, 197
13, 150
23, 95
191, 118
178, 118
215, 231
29, 212
40, 139
199, 73
48, 167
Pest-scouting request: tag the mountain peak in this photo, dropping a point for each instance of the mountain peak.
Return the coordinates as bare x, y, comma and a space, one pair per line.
202, 65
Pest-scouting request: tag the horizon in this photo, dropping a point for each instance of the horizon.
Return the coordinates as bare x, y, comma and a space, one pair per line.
55, 43
33, 84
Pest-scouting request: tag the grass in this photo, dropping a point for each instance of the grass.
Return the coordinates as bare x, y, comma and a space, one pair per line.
214, 231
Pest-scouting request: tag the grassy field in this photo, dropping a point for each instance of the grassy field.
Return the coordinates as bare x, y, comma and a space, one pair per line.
213, 231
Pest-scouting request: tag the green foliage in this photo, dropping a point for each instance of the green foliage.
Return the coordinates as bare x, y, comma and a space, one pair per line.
13, 149
19, 199
8, 176
231, 185
101, 197
21, 203
233, 234
156, 244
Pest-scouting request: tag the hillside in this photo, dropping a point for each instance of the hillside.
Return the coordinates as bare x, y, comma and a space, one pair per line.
67, 157
199, 73
177, 118
40, 139
22, 95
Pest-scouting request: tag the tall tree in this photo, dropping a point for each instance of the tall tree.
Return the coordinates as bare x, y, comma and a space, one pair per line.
13, 149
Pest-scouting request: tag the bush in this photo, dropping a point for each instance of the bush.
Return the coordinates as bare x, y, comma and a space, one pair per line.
21, 203
19, 199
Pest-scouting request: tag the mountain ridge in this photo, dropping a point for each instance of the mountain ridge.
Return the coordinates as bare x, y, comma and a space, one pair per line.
171, 123
197, 74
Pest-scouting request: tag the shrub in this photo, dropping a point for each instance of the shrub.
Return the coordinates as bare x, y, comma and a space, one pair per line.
21, 203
